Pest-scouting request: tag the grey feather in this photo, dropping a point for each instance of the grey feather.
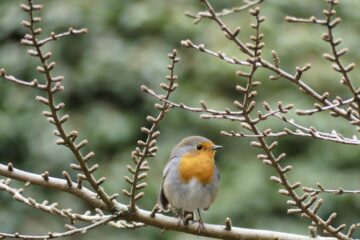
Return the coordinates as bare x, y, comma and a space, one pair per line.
163, 201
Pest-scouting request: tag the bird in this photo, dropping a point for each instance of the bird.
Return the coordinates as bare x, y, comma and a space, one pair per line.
190, 178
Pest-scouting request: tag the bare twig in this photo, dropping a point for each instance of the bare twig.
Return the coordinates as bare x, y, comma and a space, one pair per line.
311, 19
66, 139
335, 58
52, 235
224, 114
55, 183
301, 204
55, 36
336, 103
11, 78
232, 36
149, 147
321, 189
206, 14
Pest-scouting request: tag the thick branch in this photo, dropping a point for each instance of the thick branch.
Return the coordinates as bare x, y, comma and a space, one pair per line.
53, 183
143, 216
215, 231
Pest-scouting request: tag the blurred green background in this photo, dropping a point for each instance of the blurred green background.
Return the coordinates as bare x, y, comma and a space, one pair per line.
126, 47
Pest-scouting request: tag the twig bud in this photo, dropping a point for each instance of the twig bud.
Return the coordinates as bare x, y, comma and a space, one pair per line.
67, 178
10, 167
100, 181
25, 7
89, 156
139, 196
203, 105
228, 224
45, 176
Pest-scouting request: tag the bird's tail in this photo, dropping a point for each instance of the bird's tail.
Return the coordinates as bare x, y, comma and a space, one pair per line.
162, 201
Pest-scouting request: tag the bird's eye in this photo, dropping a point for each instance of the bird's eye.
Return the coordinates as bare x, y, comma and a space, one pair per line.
199, 147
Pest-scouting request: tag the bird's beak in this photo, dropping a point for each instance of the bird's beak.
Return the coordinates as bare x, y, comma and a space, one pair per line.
216, 147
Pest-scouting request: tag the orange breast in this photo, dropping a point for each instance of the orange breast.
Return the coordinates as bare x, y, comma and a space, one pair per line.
199, 165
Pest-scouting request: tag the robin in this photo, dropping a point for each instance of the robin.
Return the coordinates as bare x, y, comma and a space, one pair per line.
190, 178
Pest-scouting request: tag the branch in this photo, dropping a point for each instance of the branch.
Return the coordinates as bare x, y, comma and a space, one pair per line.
206, 14
143, 216
336, 103
312, 132
55, 36
288, 132
66, 138
328, 105
201, 47
300, 130
300, 204
149, 147
51, 208
321, 189
311, 19
13, 79
329, 37
215, 231
54, 183
51, 235
232, 36
221, 114
335, 58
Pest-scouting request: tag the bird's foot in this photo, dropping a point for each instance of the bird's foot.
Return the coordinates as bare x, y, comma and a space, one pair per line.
201, 225
185, 217
188, 216
179, 220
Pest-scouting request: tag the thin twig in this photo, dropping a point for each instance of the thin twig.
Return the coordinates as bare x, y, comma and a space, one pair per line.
11, 78
206, 14
232, 36
149, 146
55, 37
321, 189
193, 109
58, 121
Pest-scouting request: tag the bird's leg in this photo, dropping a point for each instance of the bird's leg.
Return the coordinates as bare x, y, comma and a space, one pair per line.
180, 216
201, 223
